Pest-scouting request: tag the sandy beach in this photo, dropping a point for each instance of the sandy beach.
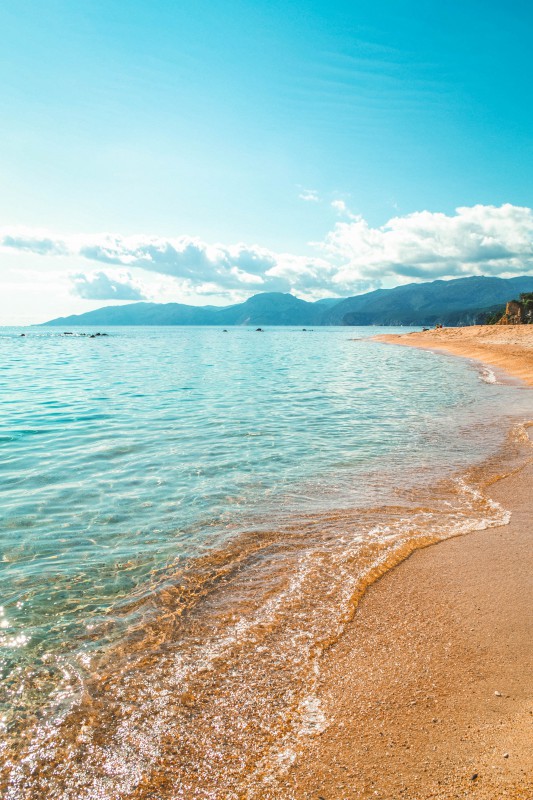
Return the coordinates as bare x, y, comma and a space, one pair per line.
429, 693
506, 347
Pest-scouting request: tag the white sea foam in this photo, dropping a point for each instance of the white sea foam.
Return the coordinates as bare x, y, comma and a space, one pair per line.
487, 375
312, 720
149, 478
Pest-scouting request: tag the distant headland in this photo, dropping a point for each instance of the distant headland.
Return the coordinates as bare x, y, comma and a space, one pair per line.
457, 302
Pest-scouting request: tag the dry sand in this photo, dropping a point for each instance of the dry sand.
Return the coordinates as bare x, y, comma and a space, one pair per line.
429, 693
507, 347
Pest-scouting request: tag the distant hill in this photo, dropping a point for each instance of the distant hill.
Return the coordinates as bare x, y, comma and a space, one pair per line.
272, 308
269, 308
461, 301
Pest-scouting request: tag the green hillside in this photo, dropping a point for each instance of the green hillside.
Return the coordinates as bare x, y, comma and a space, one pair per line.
462, 301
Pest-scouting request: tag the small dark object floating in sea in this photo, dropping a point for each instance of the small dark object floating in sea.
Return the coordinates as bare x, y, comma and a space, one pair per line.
224, 331
23, 334
89, 335
259, 330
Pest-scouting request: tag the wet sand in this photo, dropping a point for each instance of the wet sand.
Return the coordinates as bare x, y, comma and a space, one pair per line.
429, 693
408, 689
506, 347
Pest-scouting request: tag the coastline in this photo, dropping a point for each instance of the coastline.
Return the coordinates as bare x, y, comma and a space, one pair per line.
199, 700
506, 347
428, 692
410, 688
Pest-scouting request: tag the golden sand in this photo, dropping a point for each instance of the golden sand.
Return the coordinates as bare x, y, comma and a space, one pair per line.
426, 693
507, 347
430, 690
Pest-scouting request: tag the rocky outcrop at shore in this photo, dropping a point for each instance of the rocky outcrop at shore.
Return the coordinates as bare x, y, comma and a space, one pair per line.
518, 312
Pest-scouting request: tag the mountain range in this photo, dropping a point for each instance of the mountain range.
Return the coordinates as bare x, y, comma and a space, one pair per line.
460, 301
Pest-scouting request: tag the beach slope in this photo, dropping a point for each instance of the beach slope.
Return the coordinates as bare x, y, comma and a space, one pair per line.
429, 693
506, 347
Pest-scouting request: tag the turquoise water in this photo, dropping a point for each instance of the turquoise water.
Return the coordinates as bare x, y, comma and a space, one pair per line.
127, 456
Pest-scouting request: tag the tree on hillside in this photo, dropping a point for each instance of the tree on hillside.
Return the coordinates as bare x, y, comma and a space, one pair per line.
526, 298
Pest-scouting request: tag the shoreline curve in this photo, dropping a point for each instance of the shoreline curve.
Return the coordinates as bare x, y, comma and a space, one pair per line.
429, 688
506, 347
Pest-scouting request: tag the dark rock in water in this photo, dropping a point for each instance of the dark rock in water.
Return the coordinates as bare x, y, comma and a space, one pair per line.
304, 329
68, 333
93, 336
23, 334
224, 331
259, 330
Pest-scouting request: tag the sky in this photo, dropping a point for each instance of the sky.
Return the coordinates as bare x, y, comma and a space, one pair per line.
203, 151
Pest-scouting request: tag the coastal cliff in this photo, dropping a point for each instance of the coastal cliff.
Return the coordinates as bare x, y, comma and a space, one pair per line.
519, 312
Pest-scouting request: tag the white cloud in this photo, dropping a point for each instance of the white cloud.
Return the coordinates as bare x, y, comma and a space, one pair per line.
196, 265
32, 241
99, 286
309, 196
228, 267
354, 257
424, 245
342, 209
340, 206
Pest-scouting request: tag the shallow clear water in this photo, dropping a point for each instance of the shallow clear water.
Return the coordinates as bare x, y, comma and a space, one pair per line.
127, 458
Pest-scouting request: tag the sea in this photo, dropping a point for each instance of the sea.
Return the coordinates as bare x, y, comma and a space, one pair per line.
188, 519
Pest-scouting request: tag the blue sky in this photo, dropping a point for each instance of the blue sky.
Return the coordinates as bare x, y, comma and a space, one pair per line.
273, 127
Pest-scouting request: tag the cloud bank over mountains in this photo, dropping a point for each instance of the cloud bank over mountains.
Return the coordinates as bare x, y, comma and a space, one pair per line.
478, 240
354, 257
100, 286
